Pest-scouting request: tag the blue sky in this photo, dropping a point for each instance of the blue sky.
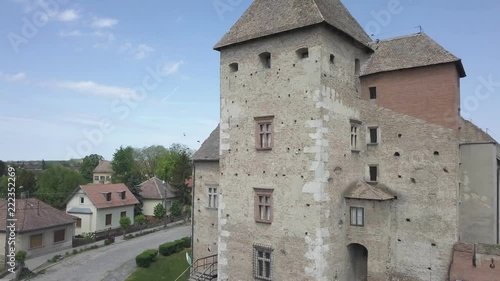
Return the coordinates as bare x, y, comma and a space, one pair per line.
82, 77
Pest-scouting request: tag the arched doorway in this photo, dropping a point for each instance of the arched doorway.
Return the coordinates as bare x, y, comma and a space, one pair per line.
358, 262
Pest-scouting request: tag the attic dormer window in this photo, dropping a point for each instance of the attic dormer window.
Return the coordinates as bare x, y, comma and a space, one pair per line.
233, 67
123, 195
303, 53
265, 59
107, 195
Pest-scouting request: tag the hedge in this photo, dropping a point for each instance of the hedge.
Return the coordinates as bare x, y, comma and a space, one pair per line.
146, 258
187, 242
170, 248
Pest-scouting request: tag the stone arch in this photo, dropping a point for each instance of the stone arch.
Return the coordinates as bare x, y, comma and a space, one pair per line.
358, 262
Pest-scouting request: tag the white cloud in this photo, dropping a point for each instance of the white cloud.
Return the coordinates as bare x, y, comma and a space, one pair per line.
73, 33
143, 51
92, 88
18, 77
104, 22
108, 37
172, 68
125, 47
68, 15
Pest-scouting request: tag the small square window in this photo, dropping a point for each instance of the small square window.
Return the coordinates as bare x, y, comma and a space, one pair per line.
373, 93
123, 214
373, 173
96, 178
373, 135
265, 59
357, 216
36, 241
263, 205
107, 196
59, 235
263, 263
264, 133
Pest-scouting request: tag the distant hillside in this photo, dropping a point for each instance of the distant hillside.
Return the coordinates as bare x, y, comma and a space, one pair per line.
39, 165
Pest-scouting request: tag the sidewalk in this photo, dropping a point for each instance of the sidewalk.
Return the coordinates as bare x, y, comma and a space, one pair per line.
39, 263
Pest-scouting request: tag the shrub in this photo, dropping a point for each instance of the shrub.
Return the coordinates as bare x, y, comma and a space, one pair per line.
75, 251
21, 257
170, 248
187, 242
107, 242
146, 258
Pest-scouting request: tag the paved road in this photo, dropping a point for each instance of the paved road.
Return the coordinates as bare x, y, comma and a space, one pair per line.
111, 263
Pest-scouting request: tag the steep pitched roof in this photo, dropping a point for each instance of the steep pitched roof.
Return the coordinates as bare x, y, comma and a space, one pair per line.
154, 188
409, 51
96, 193
104, 167
209, 150
364, 191
267, 17
470, 133
33, 214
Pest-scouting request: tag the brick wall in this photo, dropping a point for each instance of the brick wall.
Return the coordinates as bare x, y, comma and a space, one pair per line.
485, 269
429, 93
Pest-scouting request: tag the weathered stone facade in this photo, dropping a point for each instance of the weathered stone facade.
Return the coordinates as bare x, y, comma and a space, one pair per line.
314, 85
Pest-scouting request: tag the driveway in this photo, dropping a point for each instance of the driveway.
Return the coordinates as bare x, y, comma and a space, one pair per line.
111, 263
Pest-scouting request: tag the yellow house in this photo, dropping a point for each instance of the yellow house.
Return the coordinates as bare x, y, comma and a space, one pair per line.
100, 206
40, 228
155, 191
103, 172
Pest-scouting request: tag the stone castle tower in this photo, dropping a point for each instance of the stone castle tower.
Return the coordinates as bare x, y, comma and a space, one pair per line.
337, 158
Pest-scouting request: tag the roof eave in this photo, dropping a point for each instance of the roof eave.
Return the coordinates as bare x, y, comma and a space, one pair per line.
458, 64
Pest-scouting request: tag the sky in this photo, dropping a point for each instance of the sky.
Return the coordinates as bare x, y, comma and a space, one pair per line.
84, 77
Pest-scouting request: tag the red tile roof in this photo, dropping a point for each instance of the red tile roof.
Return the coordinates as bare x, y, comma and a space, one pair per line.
97, 194
154, 188
33, 214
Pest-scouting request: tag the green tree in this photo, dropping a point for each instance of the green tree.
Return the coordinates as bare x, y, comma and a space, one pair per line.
126, 171
88, 165
3, 186
182, 170
176, 209
140, 220
148, 158
3, 168
159, 211
44, 165
56, 184
125, 224
165, 165
26, 183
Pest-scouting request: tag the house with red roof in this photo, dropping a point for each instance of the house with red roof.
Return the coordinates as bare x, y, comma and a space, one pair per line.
155, 191
40, 228
100, 206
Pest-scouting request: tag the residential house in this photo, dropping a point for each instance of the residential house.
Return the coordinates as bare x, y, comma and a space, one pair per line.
103, 172
40, 228
339, 157
155, 191
100, 206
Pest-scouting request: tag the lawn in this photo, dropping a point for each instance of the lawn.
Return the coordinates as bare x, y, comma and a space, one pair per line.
164, 268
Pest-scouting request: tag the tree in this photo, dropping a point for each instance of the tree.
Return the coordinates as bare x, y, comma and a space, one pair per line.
44, 165
182, 171
159, 211
126, 171
27, 180
148, 158
176, 209
56, 184
88, 165
140, 220
125, 224
3, 168
165, 165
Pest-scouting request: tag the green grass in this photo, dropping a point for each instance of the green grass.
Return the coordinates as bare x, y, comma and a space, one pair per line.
164, 268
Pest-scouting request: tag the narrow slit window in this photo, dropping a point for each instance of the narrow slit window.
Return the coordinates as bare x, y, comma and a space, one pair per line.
373, 170
373, 135
332, 59
354, 137
373, 93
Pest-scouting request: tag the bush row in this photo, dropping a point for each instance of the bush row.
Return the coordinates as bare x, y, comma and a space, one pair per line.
146, 258
176, 246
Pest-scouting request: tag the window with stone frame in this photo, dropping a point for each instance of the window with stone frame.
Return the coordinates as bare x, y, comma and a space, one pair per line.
213, 202
357, 216
262, 262
373, 173
373, 135
264, 133
263, 205
355, 135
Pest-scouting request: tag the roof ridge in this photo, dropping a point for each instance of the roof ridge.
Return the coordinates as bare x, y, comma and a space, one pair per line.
400, 37
319, 11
